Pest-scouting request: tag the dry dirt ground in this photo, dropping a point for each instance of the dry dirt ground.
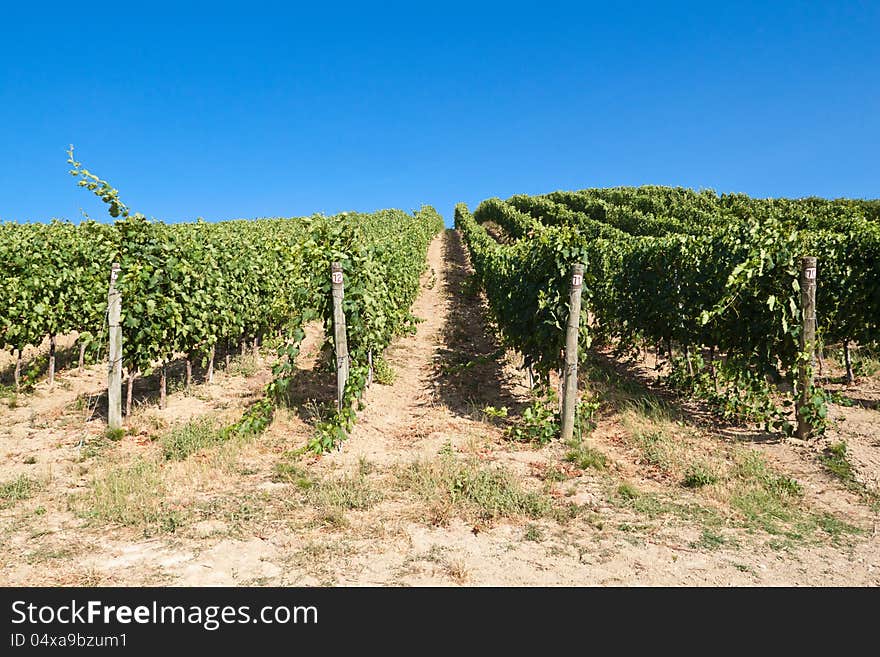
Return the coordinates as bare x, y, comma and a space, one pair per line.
427, 490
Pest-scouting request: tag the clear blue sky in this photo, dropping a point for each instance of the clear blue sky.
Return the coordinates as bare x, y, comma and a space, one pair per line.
286, 109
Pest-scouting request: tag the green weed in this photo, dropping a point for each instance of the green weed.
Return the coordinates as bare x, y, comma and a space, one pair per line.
383, 373
473, 489
585, 457
18, 489
190, 437
699, 475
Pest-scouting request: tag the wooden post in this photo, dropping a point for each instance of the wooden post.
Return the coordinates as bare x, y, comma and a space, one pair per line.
807, 346
847, 359
210, 374
114, 378
340, 338
569, 399
82, 355
51, 361
18, 369
129, 391
712, 369
560, 384
370, 371
163, 386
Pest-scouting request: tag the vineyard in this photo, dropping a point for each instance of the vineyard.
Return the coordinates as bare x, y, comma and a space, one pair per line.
190, 288
711, 281
367, 398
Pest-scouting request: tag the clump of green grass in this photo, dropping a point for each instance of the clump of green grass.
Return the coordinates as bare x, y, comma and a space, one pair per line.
554, 473
626, 491
190, 437
835, 460
586, 457
710, 540
383, 373
648, 406
699, 475
245, 365
833, 526
533, 533
293, 474
752, 467
473, 490
653, 505
132, 495
655, 449
348, 492
114, 434
762, 496
15, 490
43, 554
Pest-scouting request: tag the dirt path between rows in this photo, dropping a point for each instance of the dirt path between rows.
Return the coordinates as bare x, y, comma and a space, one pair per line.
445, 373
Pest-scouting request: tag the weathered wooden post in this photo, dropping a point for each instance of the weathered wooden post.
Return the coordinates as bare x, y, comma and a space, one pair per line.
114, 378
51, 361
569, 399
18, 361
163, 386
847, 360
209, 375
82, 355
339, 336
807, 345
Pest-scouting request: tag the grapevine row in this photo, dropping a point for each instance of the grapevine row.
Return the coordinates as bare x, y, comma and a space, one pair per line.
666, 267
187, 288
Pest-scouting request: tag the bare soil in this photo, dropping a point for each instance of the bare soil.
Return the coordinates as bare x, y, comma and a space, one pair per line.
427, 490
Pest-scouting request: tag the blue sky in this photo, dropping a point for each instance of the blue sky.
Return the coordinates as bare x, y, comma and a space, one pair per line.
284, 109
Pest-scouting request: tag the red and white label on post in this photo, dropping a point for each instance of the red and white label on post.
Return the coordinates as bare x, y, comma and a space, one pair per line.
810, 273
576, 280
337, 277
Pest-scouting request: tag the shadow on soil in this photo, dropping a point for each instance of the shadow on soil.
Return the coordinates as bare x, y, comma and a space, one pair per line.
625, 384
146, 388
468, 374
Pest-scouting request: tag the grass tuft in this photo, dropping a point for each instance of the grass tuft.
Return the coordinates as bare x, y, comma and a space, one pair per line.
190, 437
586, 457
835, 460
383, 373
133, 496
18, 489
472, 490
346, 493
699, 475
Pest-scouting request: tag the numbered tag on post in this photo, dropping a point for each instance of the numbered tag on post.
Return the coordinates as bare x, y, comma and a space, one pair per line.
810, 273
576, 280
337, 277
